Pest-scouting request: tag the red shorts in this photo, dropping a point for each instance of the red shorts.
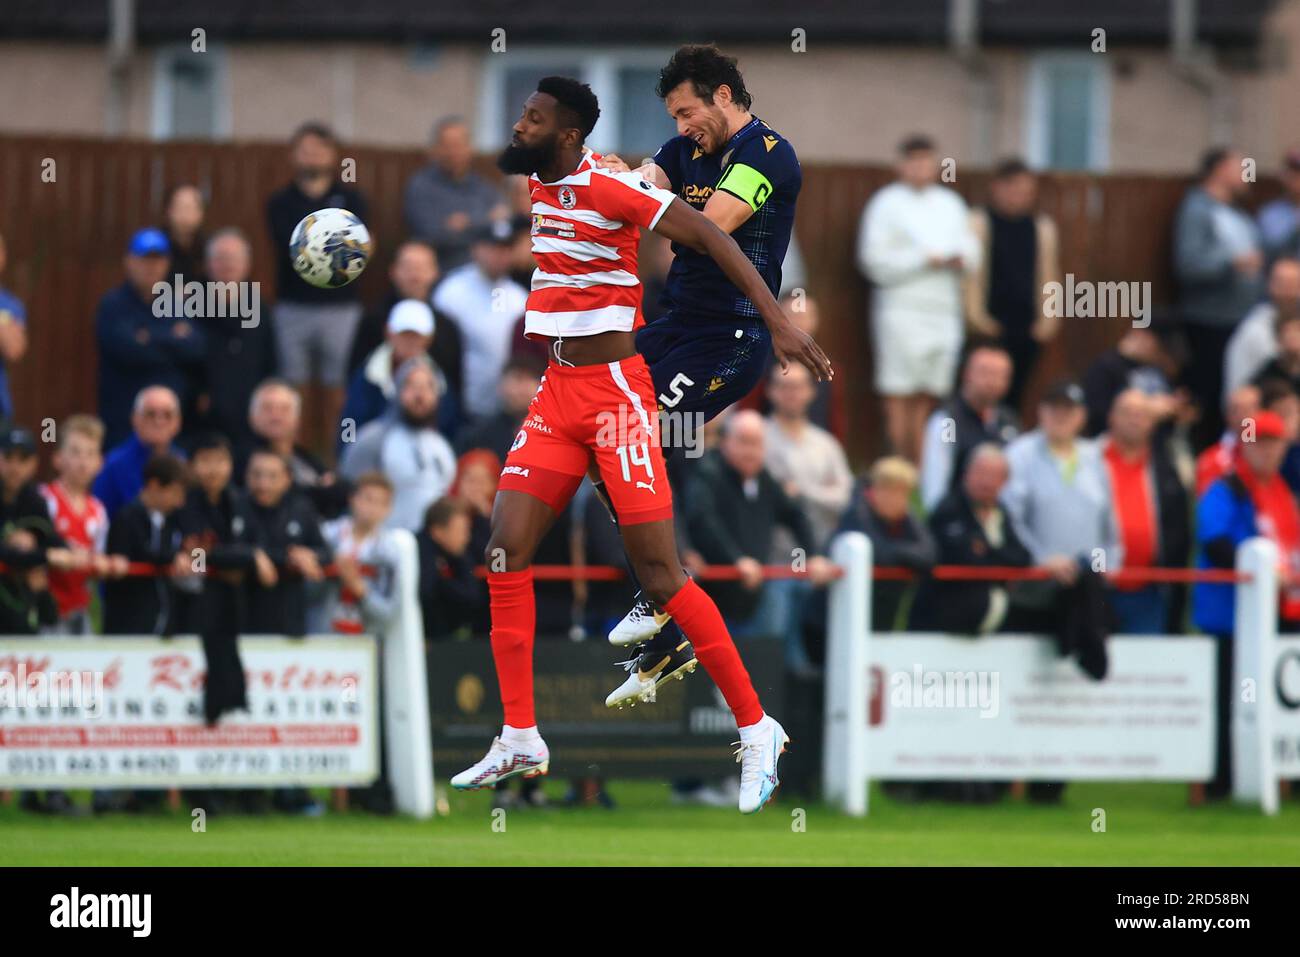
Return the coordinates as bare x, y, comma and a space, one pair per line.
603, 411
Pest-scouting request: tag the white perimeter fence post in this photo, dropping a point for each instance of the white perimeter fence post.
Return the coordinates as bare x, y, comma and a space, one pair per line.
1254, 778
844, 754
406, 688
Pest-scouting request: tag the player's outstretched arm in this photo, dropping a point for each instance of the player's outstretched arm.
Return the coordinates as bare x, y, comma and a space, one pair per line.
650, 171
684, 225
724, 210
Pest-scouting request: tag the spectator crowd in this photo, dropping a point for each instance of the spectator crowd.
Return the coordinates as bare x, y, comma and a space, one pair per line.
1169, 449
286, 447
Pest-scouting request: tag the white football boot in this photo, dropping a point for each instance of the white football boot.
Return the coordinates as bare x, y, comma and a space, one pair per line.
640, 624
648, 669
505, 760
757, 754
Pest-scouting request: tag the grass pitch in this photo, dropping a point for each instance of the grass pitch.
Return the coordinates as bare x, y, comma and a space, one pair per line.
1145, 824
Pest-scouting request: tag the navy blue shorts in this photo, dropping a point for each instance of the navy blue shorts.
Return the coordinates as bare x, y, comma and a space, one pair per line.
701, 366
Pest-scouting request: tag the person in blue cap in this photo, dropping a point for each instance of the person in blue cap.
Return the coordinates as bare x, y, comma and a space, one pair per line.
139, 348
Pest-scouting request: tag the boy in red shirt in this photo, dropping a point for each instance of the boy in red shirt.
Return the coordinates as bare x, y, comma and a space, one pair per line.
79, 519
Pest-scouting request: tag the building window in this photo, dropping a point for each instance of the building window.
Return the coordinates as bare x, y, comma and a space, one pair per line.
1067, 126
643, 123
190, 99
633, 121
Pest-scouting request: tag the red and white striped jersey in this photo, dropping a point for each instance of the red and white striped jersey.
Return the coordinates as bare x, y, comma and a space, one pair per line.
586, 228
85, 528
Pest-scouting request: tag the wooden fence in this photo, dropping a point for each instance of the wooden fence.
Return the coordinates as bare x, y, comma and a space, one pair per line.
66, 238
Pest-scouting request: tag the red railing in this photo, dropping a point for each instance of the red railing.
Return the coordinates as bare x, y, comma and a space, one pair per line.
611, 573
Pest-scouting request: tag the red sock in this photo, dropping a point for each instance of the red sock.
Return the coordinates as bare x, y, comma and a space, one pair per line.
697, 616
514, 620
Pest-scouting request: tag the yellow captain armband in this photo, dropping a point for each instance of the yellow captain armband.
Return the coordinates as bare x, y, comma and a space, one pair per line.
746, 184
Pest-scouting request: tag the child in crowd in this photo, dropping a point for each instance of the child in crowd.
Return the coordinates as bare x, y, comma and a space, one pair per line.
80, 519
145, 530
364, 602
288, 528
450, 594
366, 597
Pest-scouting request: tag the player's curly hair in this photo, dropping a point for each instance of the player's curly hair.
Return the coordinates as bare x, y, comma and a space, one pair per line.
706, 68
576, 98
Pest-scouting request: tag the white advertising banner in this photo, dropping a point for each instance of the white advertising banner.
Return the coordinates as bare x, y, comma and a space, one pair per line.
1008, 708
1286, 714
128, 712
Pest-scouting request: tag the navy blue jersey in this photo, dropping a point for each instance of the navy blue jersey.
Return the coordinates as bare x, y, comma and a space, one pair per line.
758, 167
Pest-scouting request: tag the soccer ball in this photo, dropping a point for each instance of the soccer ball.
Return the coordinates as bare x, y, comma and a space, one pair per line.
330, 247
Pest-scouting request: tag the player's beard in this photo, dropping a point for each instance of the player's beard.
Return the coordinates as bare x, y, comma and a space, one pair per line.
528, 159
418, 420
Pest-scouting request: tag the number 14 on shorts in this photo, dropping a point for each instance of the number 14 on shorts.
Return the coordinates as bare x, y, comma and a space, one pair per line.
630, 456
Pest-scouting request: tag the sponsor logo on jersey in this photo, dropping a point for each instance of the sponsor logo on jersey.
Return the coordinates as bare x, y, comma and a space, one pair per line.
521, 471
769, 142
696, 153
545, 226
568, 198
697, 195
716, 383
535, 422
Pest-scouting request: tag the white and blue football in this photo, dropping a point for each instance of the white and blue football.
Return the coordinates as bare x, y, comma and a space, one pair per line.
330, 247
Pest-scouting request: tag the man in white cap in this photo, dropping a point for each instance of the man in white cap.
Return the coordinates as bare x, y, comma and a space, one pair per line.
409, 333
485, 304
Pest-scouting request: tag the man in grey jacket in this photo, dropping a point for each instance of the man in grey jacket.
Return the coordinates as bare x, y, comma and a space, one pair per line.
1058, 495
447, 204
405, 445
1254, 342
1218, 261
